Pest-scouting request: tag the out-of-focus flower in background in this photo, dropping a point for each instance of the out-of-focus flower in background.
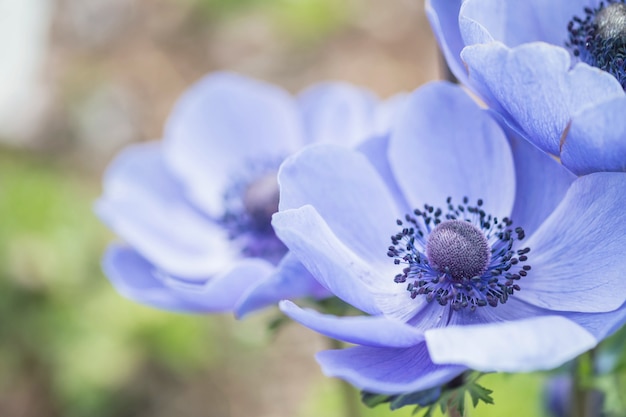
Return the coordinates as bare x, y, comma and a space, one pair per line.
456, 289
554, 72
195, 209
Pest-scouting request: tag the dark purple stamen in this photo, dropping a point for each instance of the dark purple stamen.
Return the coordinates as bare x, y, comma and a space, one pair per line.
599, 38
463, 257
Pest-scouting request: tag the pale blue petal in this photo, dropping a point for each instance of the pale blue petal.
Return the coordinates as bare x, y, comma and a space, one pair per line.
388, 111
387, 370
144, 204
537, 343
577, 255
596, 140
376, 331
600, 325
515, 22
139, 280
347, 275
434, 158
290, 280
338, 112
340, 183
534, 89
541, 184
513, 310
444, 20
221, 126
376, 150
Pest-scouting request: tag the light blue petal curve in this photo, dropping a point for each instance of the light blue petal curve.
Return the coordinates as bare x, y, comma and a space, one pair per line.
388, 111
534, 89
337, 112
537, 343
596, 139
137, 279
541, 184
387, 370
375, 150
290, 280
145, 205
443, 16
445, 145
601, 325
375, 331
346, 274
223, 124
349, 195
515, 22
577, 255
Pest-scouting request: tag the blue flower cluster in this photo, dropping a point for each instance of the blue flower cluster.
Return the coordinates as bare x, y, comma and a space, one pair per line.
491, 239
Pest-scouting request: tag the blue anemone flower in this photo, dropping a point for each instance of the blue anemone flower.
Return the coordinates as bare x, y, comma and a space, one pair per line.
195, 209
554, 71
450, 239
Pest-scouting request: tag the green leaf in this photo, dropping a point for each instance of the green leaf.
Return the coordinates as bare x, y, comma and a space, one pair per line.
450, 396
480, 393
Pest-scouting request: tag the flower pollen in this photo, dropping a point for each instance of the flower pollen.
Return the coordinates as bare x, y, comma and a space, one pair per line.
599, 38
458, 247
464, 257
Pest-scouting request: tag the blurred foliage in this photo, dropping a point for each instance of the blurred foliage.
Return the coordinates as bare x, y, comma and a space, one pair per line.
62, 327
300, 20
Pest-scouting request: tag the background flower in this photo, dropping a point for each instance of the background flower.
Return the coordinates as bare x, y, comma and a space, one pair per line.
519, 57
409, 341
195, 209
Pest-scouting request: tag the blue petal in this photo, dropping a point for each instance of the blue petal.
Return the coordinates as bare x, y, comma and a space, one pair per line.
577, 255
144, 204
387, 370
516, 346
290, 280
338, 113
222, 125
388, 112
376, 331
596, 139
600, 325
515, 22
433, 158
340, 184
347, 275
376, 150
136, 278
444, 20
534, 89
541, 184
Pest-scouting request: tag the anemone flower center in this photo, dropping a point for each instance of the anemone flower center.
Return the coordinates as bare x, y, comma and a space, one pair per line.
249, 204
260, 201
458, 248
599, 38
462, 257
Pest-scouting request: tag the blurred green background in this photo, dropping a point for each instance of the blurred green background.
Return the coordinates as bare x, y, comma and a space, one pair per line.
83, 78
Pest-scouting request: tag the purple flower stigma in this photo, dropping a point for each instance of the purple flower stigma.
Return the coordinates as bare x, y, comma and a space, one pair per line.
464, 257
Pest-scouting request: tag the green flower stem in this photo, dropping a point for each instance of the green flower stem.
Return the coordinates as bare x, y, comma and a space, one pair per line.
351, 401
586, 401
453, 411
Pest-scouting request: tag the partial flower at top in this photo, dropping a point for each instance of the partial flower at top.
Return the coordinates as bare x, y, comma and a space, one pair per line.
450, 239
553, 70
194, 210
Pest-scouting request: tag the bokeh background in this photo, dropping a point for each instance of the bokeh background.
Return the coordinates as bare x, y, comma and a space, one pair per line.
79, 79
